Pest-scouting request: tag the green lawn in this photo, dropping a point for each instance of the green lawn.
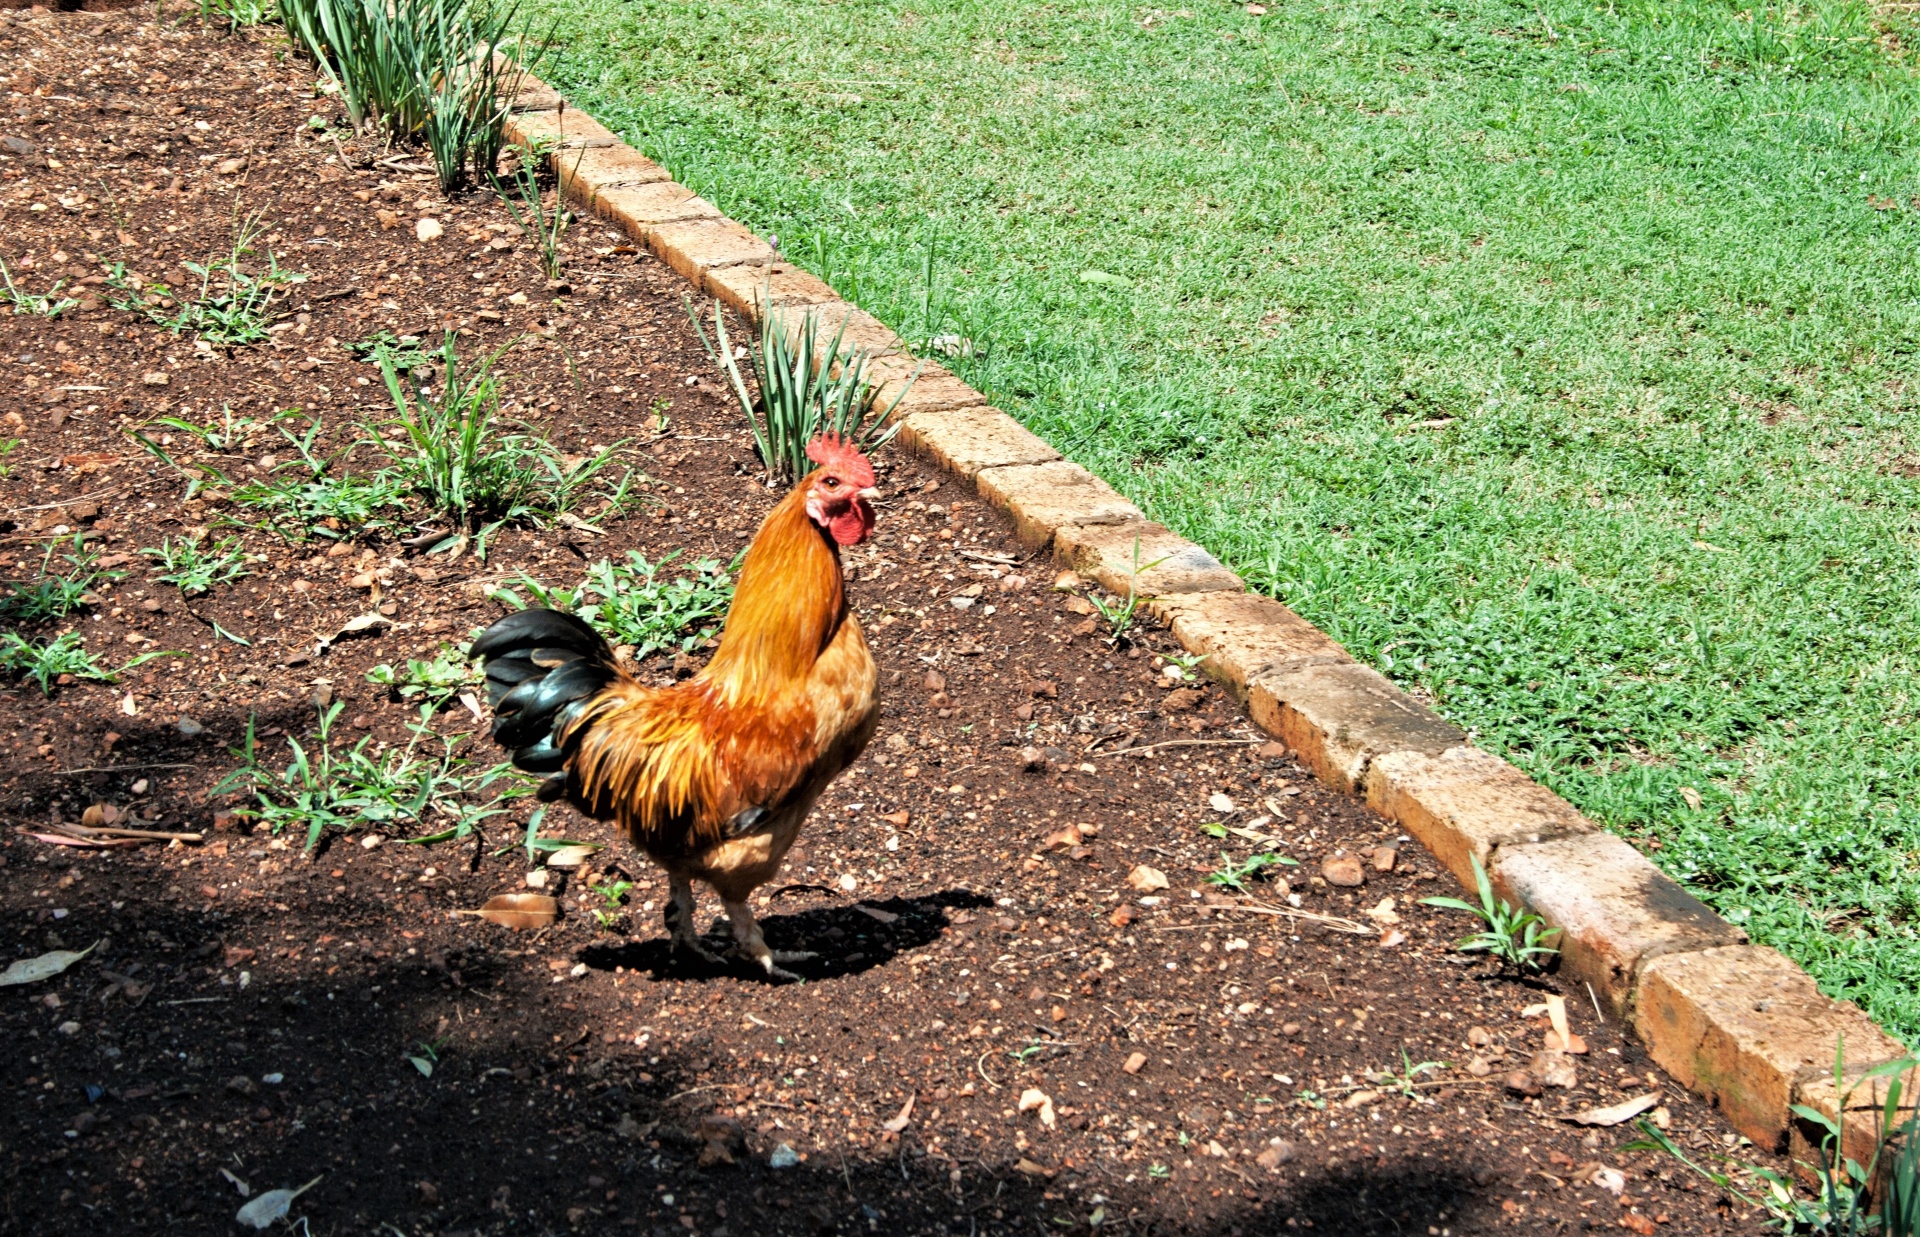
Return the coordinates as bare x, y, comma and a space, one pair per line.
1553, 357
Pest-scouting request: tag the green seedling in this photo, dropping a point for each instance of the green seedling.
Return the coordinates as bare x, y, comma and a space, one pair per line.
1235, 876
39, 305
437, 679
55, 594
195, 568
230, 308
45, 661
1120, 614
613, 897
1514, 936
635, 604
544, 225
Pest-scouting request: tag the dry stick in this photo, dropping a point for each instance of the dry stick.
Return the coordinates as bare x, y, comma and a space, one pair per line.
1332, 921
1131, 751
118, 768
88, 831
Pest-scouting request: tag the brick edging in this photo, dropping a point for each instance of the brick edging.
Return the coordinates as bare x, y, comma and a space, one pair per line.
1738, 1023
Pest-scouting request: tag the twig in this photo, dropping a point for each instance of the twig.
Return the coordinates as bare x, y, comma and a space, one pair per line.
1596, 1005
1332, 921
712, 1086
119, 768
89, 831
1133, 751
981, 1066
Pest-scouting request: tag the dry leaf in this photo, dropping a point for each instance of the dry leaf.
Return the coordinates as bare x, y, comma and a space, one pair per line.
1614, 1114
571, 856
46, 966
1078, 605
900, 1122
270, 1208
520, 910
1031, 1168
1383, 914
1147, 879
1034, 1098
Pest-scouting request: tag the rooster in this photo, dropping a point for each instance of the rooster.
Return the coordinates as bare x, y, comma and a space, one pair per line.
711, 777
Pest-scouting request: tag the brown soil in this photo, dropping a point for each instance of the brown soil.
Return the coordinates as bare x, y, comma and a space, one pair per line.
249, 1012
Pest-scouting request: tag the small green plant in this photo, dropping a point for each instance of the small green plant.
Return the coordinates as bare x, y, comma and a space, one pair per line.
326, 786
1119, 615
806, 388
456, 454
237, 13
1159, 1172
195, 567
315, 496
55, 594
438, 679
613, 896
632, 603
431, 72
199, 477
427, 1056
7, 447
44, 661
37, 304
230, 308
1235, 876
544, 226
1407, 1079
1845, 1187
1514, 936
229, 433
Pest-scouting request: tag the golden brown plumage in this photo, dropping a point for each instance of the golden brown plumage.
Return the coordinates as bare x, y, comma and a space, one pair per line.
711, 777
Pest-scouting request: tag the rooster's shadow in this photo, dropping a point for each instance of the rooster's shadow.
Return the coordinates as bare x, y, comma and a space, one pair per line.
846, 940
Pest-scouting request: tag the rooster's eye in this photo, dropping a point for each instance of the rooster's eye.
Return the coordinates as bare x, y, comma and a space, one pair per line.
833, 483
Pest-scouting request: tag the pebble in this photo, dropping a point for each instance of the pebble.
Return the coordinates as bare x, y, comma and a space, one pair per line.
1147, 879
1032, 759
1342, 869
428, 230
1182, 700
190, 728
1522, 1082
783, 1156
1278, 1151
1553, 1068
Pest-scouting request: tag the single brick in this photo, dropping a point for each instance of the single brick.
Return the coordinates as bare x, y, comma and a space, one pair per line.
640, 209
1042, 498
1148, 558
1745, 1027
748, 289
966, 440
1616, 911
918, 386
1866, 1102
1462, 803
695, 246
587, 172
856, 329
1338, 718
530, 94
1242, 634
568, 128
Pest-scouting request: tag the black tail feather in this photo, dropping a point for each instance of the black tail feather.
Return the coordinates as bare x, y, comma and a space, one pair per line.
541, 666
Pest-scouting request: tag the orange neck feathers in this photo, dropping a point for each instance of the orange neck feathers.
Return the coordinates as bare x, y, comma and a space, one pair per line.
789, 604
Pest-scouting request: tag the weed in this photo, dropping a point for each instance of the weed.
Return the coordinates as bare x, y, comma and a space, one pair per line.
229, 433
1235, 876
456, 454
66, 654
425, 71
52, 594
1511, 935
542, 225
317, 497
194, 567
1407, 1080
1119, 615
7, 447
613, 896
1845, 1186
805, 389
364, 787
630, 603
438, 679
199, 477
229, 308
427, 1055
237, 13
41, 305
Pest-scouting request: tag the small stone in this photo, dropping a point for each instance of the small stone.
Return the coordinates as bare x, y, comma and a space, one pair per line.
429, 1193
68, 1028
19, 146
1479, 1068
935, 681
156, 378
1147, 879
428, 229
1012, 583
1278, 1152
240, 1084
189, 727
1032, 759
1342, 869
1068, 582
1220, 803
1384, 858
1523, 1083
1123, 915
388, 220
783, 1156
1271, 750
228, 167
1479, 1037
1553, 1068
1182, 700
1135, 1062
1290, 1028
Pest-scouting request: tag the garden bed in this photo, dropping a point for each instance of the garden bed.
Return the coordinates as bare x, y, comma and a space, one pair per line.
1210, 1064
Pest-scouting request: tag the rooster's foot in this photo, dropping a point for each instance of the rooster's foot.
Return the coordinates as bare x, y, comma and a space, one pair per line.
790, 956
692, 947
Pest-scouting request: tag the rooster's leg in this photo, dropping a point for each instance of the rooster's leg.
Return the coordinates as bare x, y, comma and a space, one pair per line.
686, 939
746, 931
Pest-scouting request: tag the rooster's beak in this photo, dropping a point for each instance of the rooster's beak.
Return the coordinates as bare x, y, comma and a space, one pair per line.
870, 493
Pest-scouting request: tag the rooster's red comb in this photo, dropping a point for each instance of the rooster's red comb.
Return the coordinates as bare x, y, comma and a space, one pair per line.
839, 454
